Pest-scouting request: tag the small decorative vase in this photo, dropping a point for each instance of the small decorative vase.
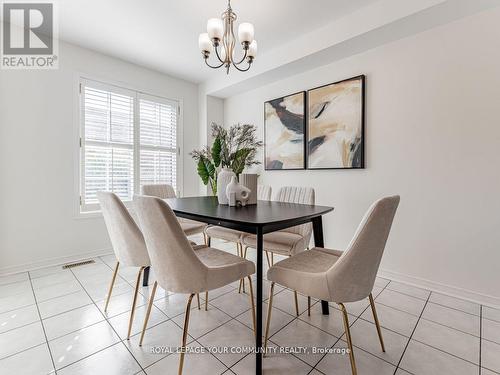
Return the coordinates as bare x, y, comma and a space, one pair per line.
223, 179
249, 180
237, 193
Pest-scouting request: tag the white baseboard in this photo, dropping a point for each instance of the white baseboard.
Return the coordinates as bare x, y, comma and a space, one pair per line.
54, 262
449, 290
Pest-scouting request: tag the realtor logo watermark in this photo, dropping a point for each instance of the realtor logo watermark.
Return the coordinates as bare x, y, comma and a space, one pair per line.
29, 36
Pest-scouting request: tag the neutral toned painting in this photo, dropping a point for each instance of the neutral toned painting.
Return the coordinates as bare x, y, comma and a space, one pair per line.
335, 125
284, 127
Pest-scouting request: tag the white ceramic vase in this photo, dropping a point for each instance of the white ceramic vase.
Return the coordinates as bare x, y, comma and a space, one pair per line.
237, 193
223, 179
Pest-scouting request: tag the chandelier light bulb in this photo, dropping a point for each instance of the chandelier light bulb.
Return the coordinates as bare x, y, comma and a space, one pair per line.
205, 43
245, 32
252, 49
215, 28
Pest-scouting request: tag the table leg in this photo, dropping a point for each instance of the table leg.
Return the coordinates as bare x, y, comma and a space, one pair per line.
145, 277
258, 336
319, 242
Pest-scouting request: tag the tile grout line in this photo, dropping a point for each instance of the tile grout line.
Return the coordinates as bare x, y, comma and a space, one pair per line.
480, 336
356, 319
350, 325
107, 321
172, 320
228, 369
18, 308
410, 295
88, 356
23, 350
41, 323
231, 319
454, 308
414, 329
453, 328
196, 339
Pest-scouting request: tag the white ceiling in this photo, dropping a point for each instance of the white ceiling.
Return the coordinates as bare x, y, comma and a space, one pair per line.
163, 34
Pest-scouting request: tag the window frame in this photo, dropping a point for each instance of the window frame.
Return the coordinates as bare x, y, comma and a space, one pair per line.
90, 210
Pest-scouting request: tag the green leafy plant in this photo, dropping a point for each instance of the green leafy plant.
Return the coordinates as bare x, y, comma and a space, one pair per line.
234, 148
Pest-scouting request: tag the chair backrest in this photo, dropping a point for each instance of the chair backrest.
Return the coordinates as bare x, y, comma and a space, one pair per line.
264, 192
126, 237
294, 194
162, 191
176, 265
352, 277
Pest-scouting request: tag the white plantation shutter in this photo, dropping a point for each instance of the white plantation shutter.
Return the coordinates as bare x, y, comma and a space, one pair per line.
158, 141
128, 139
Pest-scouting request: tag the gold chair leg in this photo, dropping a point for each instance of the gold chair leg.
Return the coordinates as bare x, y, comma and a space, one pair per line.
198, 299
239, 250
242, 280
252, 302
206, 300
377, 323
296, 302
349, 339
111, 286
269, 309
245, 252
296, 297
134, 301
148, 312
185, 333
268, 261
308, 305
205, 238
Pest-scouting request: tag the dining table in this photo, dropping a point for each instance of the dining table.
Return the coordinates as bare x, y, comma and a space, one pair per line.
259, 219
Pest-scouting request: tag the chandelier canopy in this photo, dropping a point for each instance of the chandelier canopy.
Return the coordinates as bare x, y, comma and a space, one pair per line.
220, 38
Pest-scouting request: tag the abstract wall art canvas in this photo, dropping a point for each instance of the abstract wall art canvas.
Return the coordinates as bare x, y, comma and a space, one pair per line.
284, 132
335, 137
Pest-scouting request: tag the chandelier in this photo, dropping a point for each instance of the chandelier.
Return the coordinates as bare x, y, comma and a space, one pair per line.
220, 38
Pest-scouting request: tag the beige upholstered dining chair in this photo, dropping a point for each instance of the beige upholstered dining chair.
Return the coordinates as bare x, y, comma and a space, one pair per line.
290, 241
127, 241
178, 267
340, 276
190, 227
235, 236
165, 191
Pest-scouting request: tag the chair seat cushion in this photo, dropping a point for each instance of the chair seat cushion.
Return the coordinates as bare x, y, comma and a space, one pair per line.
223, 233
306, 272
224, 268
191, 228
284, 243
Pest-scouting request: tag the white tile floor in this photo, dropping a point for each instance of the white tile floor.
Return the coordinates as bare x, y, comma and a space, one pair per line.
53, 321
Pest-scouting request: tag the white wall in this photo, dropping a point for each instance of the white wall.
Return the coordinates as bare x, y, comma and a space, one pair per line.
38, 140
210, 109
432, 136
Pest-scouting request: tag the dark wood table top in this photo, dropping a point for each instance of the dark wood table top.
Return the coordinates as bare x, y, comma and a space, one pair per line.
268, 215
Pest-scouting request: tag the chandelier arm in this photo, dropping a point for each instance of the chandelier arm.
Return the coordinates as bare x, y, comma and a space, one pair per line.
217, 54
242, 70
213, 66
243, 58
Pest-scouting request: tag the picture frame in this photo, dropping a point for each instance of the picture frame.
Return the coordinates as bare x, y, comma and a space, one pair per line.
336, 125
285, 132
